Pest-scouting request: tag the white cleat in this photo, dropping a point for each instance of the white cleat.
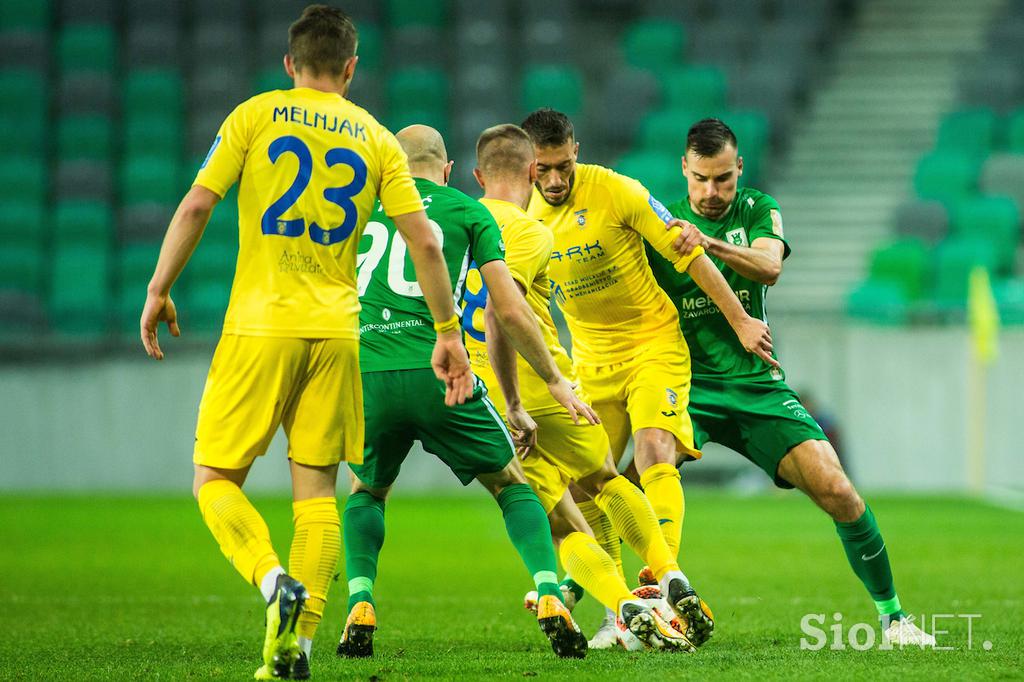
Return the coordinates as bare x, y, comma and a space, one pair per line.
607, 636
650, 628
903, 633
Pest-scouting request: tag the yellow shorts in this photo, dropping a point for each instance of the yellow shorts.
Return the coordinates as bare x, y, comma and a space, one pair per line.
312, 387
650, 390
564, 452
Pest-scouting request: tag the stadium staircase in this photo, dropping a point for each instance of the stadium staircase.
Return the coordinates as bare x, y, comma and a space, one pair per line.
852, 160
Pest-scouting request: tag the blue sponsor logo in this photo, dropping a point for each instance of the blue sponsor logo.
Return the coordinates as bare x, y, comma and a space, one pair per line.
209, 154
659, 209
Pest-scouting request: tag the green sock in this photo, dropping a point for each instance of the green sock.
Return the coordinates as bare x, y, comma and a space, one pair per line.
865, 550
572, 586
530, 532
364, 536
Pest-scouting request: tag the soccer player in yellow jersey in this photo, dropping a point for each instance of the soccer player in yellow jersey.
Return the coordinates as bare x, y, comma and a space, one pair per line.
628, 350
311, 166
562, 449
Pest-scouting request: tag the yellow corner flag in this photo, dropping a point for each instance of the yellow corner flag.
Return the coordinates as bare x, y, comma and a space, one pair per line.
983, 316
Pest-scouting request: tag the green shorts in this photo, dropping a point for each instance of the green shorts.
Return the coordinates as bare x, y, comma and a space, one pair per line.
761, 420
402, 406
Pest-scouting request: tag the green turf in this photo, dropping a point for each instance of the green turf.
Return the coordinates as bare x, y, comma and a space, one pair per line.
125, 588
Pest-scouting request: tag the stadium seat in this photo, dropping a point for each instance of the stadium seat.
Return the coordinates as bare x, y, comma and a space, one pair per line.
417, 90
271, 79
903, 263
954, 259
640, 88
402, 13
153, 46
157, 134
654, 44
134, 268
1003, 174
658, 171
558, 87
22, 179
723, 41
1015, 131
205, 304
926, 220
546, 41
152, 91
22, 224
25, 14
213, 260
968, 131
154, 13
25, 93
86, 92
84, 137
21, 314
219, 12
143, 223
87, 11
24, 49
369, 48
878, 302
87, 47
946, 176
80, 290
666, 129
223, 225
996, 219
1009, 295
751, 128
21, 268
85, 223
222, 87
150, 179
992, 82
83, 179
220, 44
697, 88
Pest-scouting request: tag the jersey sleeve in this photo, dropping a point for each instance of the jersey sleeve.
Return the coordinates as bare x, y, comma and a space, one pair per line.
528, 246
223, 164
398, 193
766, 221
638, 209
486, 243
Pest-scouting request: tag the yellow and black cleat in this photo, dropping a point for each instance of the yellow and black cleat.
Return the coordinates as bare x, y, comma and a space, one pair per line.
357, 639
556, 622
280, 646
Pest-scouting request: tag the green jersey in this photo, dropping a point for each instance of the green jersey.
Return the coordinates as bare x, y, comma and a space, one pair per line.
396, 329
714, 348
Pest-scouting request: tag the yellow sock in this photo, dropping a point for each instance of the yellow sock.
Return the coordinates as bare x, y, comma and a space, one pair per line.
313, 560
239, 529
591, 567
662, 487
604, 533
633, 519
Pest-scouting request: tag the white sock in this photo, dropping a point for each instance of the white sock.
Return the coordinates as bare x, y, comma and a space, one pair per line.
269, 582
306, 645
608, 613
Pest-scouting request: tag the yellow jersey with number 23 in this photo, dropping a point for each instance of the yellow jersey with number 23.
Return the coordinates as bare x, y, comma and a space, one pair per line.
310, 166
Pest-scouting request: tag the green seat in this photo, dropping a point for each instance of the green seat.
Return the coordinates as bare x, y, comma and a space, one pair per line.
1009, 296
22, 136
697, 88
213, 261
903, 263
22, 224
80, 290
22, 267
85, 137
273, 78
223, 225
558, 87
946, 177
879, 302
1015, 131
655, 44
133, 270
402, 116
369, 48
205, 304
25, 95
149, 179
968, 131
83, 222
87, 47
404, 13
30, 14
22, 179
658, 171
996, 219
158, 134
751, 129
418, 88
666, 129
954, 259
155, 91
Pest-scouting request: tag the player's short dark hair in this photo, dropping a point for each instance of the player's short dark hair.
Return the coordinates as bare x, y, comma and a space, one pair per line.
322, 40
548, 128
709, 136
504, 149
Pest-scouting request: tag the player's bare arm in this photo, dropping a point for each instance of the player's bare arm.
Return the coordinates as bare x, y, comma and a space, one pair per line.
502, 356
752, 333
183, 234
517, 321
450, 360
761, 261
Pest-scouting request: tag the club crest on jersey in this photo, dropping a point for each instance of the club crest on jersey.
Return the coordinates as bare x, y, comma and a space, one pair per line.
737, 237
581, 217
673, 397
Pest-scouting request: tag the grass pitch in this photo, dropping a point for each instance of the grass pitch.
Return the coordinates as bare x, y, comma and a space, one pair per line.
135, 587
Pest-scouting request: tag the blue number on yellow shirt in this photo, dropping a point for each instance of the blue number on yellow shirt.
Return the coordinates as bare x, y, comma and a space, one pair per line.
272, 223
474, 302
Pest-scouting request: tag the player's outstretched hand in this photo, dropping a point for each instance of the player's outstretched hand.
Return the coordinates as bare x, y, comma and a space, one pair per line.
690, 238
523, 428
565, 393
157, 309
757, 339
451, 365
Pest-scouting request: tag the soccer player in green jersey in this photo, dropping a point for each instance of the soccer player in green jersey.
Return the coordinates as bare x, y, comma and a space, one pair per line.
739, 400
403, 401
